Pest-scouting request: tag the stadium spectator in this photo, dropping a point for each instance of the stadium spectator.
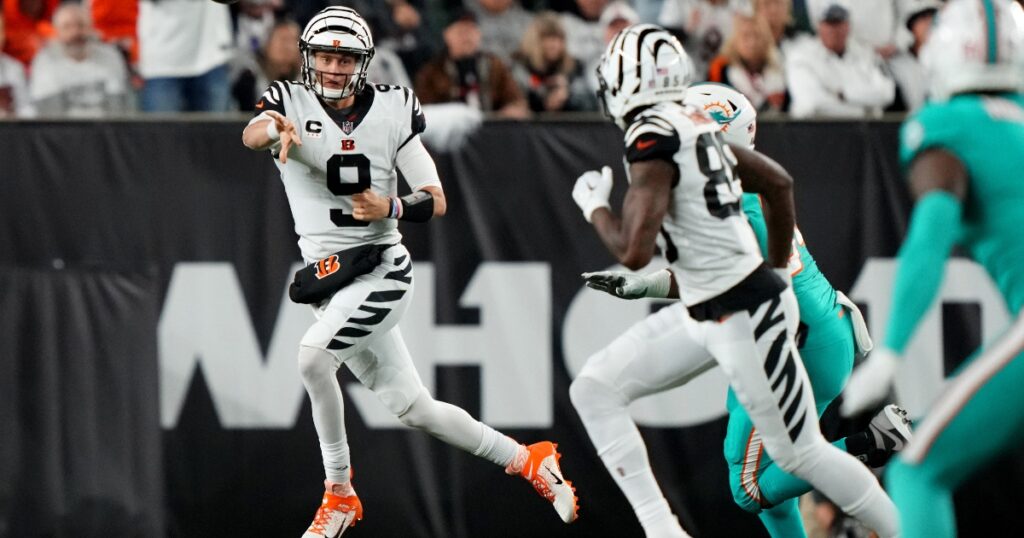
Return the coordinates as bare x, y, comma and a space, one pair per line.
584, 33
750, 63
616, 16
648, 10
779, 15
253, 24
833, 75
115, 22
184, 50
398, 25
502, 25
14, 99
278, 60
27, 27
906, 67
552, 79
463, 73
873, 23
704, 25
387, 68
75, 74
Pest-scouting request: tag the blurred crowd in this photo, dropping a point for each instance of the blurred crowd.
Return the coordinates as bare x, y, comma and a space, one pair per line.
805, 58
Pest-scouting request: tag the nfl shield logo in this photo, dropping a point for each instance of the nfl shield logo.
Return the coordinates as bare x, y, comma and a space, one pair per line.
347, 127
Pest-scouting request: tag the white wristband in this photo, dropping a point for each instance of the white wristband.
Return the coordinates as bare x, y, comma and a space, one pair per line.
658, 284
272, 131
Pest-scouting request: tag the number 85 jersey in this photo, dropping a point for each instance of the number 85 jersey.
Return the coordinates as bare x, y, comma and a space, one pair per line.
705, 235
342, 153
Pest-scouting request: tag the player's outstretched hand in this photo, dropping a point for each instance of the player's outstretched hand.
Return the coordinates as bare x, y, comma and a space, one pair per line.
618, 283
369, 206
286, 129
592, 190
870, 383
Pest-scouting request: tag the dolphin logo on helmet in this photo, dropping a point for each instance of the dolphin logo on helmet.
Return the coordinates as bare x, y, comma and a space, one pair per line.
729, 108
337, 30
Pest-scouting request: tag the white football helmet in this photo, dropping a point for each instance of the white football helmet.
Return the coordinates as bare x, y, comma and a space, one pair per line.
338, 30
730, 108
975, 45
644, 64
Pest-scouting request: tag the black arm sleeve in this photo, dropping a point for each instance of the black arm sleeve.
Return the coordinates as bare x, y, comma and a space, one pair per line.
417, 207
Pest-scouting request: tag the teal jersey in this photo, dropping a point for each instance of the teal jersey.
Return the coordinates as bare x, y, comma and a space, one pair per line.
986, 133
814, 293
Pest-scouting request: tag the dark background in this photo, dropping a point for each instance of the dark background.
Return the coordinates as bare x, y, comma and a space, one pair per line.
93, 217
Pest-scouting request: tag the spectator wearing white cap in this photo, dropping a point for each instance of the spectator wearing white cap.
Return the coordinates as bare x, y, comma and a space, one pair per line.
502, 25
906, 67
616, 16
835, 76
873, 23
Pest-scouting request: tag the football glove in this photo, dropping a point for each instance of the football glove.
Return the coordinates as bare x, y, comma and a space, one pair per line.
870, 383
592, 190
630, 285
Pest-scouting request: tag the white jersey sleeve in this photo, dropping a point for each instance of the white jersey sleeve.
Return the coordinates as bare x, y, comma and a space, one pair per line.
413, 161
705, 235
274, 98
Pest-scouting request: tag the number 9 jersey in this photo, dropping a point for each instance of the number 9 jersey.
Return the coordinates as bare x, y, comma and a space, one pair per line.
705, 235
343, 152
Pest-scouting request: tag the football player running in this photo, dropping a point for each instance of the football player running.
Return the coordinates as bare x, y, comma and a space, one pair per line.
338, 142
737, 310
964, 151
832, 331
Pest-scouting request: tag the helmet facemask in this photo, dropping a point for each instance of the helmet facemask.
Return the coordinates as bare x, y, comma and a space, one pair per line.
314, 78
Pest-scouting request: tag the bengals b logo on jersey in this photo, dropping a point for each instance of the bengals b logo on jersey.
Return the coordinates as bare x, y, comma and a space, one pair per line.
327, 266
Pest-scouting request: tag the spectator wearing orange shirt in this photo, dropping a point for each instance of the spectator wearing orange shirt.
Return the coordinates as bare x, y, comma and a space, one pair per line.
14, 96
114, 21
28, 27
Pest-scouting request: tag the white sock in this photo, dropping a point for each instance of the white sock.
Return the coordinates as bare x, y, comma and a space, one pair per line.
497, 447
318, 369
336, 461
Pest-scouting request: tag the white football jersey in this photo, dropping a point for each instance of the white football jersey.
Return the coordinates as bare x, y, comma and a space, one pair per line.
705, 235
342, 154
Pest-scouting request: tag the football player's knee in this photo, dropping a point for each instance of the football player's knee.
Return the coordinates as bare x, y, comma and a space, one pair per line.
592, 397
398, 390
316, 364
743, 499
420, 412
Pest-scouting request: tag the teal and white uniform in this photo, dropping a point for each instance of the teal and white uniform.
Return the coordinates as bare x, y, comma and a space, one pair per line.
827, 348
981, 413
